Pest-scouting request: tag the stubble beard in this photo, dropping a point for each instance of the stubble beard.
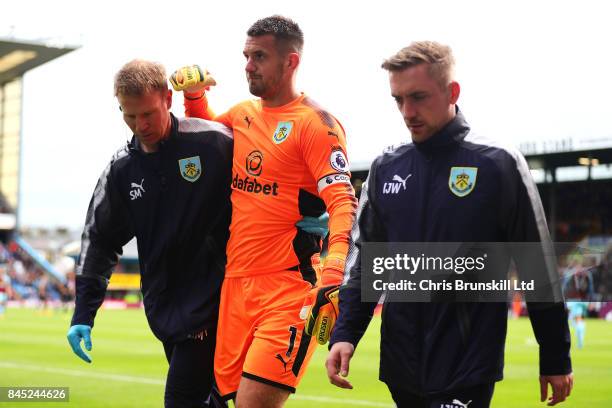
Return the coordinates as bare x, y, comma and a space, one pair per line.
256, 88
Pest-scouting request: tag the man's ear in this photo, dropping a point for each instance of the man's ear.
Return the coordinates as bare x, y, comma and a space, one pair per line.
293, 60
169, 99
455, 90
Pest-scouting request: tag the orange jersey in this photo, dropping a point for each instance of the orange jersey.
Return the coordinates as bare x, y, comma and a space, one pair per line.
289, 161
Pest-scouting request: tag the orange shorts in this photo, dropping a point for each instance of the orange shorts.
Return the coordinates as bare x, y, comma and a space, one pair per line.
260, 335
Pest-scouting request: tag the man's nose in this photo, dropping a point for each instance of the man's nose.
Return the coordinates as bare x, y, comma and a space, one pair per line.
250, 66
142, 124
408, 110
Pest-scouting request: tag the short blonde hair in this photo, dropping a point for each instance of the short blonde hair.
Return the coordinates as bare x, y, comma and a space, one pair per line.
138, 77
438, 56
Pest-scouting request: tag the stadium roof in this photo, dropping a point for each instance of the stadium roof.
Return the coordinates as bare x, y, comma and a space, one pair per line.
17, 57
570, 158
547, 160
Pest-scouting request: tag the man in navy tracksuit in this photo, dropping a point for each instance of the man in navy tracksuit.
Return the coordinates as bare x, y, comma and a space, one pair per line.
170, 188
447, 186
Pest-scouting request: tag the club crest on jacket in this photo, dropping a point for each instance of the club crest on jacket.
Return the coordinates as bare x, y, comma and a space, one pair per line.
190, 168
462, 180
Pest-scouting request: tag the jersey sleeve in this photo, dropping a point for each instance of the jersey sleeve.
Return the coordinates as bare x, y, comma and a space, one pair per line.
355, 315
323, 147
196, 106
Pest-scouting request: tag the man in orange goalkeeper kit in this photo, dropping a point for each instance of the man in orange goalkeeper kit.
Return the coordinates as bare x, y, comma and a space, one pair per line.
289, 161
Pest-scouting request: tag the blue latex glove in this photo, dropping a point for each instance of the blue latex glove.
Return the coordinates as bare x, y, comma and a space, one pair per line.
315, 225
75, 334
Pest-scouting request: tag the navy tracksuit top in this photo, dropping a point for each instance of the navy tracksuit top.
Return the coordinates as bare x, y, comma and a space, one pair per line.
176, 202
413, 194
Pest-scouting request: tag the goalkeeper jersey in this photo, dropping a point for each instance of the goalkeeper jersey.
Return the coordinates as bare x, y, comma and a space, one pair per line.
289, 161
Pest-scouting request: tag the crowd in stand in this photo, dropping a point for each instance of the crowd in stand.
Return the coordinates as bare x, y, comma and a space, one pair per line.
22, 280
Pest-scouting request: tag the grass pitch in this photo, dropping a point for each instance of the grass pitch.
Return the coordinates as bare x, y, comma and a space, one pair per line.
129, 365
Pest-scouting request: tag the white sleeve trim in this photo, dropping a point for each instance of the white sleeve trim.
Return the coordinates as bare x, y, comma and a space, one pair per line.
197, 125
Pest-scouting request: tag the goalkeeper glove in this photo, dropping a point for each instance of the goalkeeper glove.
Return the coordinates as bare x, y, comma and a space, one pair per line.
191, 79
315, 225
321, 312
75, 334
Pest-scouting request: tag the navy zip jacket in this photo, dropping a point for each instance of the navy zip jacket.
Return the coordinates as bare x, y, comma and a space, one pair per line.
176, 202
430, 348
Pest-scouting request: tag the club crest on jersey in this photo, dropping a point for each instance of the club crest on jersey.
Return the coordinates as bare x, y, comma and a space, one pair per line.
190, 168
462, 180
283, 129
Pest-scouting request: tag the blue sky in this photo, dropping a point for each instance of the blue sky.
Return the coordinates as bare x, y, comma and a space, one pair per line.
529, 71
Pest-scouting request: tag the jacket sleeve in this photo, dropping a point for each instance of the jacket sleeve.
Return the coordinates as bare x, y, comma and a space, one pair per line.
107, 229
220, 231
528, 225
355, 315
